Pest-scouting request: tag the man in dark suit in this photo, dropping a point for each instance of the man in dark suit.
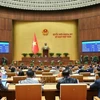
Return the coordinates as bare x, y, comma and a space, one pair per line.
96, 85
45, 46
3, 88
4, 60
81, 59
66, 79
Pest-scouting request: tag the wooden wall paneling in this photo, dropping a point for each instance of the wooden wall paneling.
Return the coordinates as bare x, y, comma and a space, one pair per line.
17, 14
1, 23
1, 35
88, 25
89, 31
98, 21
8, 24
6, 35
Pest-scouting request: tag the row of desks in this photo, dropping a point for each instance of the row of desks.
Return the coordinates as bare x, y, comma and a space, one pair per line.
49, 92
85, 79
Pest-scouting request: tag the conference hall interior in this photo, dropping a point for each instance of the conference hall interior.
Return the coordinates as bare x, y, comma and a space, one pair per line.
49, 49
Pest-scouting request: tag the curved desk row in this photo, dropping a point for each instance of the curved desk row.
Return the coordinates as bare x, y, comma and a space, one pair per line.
49, 92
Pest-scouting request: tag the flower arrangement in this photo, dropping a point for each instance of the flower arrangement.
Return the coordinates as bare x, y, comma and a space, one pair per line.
39, 54
31, 54
60, 63
51, 54
58, 54
95, 59
41, 63
52, 62
86, 58
65, 54
31, 64
24, 54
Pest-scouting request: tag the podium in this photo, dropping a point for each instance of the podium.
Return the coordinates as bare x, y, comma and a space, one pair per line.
45, 52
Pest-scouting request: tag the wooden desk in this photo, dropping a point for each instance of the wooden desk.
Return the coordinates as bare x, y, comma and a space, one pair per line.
85, 78
47, 86
49, 92
25, 70
89, 78
45, 60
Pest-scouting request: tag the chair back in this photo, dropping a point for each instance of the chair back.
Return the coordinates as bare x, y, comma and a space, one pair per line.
48, 79
38, 72
73, 91
46, 70
16, 79
28, 92
96, 76
47, 73
85, 73
79, 77
9, 74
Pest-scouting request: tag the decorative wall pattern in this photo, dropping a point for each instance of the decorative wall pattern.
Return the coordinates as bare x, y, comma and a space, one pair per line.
47, 4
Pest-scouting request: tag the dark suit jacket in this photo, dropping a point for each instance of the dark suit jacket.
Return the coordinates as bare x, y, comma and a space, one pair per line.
96, 85
2, 88
66, 80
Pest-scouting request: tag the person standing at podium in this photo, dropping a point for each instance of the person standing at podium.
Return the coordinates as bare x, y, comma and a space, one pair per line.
45, 50
45, 46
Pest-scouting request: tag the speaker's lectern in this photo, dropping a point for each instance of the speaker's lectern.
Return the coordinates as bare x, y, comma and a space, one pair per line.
45, 50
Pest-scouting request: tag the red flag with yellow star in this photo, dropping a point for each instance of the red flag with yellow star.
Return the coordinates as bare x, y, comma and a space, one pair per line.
35, 48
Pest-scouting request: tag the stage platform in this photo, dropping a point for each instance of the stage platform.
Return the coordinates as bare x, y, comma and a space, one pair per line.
46, 60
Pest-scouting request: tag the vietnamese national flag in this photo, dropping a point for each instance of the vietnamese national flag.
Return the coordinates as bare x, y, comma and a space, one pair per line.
35, 47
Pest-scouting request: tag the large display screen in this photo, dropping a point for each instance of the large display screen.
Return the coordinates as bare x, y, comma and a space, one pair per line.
91, 46
4, 47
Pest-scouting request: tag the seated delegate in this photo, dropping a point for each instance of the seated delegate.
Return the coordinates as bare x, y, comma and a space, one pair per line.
3, 88
96, 85
66, 79
30, 78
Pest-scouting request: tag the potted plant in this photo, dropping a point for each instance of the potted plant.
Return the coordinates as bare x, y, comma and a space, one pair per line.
52, 62
4, 64
86, 58
51, 54
70, 63
24, 54
22, 64
95, 59
31, 64
12, 63
41, 63
60, 63
58, 54
31, 54
65, 54
39, 54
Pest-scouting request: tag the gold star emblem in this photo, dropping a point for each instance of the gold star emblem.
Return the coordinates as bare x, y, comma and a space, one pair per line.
34, 43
